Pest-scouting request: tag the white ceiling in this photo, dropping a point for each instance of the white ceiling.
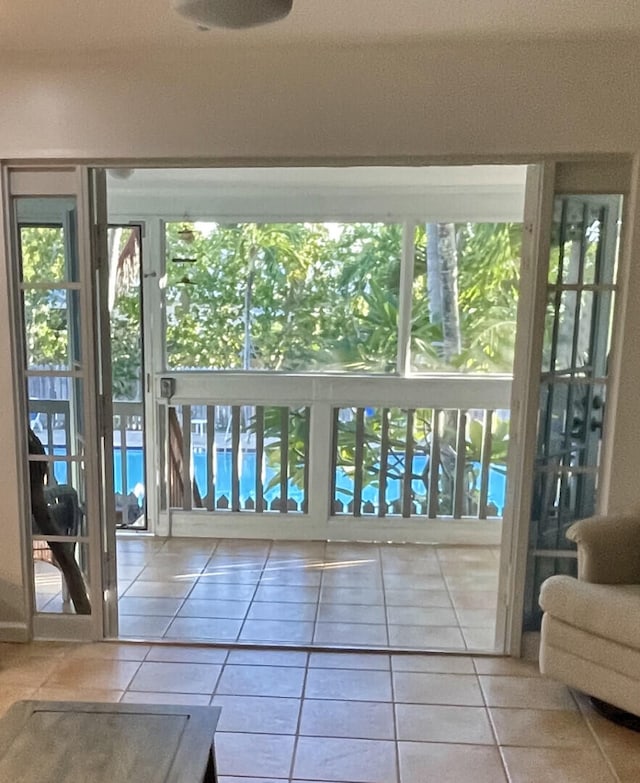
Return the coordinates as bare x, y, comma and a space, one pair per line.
76, 25
474, 193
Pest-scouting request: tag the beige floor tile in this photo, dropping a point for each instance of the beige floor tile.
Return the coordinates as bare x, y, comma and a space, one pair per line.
353, 760
540, 728
186, 654
361, 596
12, 693
176, 677
150, 697
529, 692
142, 627
53, 693
112, 650
206, 628
10, 651
414, 615
233, 779
442, 723
474, 599
479, 638
238, 680
276, 610
190, 546
169, 573
202, 607
414, 582
226, 573
476, 618
556, 765
149, 607
356, 634
514, 667
419, 598
423, 637
274, 631
356, 579
278, 581
351, 613
254, 754
423, 762
303, 595
308, 575
347, 684
130, 571
31, 671
454, 689
93, 673
262, 657
163, 589
445, 664
620, 745
260, 714
349, 660
222, 591
355, 719
182, 561
134, 558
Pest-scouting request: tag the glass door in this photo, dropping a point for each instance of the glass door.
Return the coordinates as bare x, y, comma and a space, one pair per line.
581, 286
127, 362
57, 285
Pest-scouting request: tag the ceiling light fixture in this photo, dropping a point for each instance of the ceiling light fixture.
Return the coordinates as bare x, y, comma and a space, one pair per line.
235, 14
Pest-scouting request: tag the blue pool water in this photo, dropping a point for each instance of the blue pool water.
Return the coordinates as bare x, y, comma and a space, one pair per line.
135, 475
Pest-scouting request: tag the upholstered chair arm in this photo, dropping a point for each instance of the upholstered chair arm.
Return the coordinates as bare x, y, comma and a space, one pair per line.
608, 548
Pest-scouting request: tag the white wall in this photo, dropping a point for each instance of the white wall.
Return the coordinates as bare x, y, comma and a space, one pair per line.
436, 100
404, 103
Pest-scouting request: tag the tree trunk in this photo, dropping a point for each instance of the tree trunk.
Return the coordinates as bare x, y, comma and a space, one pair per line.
442, 282
434, 284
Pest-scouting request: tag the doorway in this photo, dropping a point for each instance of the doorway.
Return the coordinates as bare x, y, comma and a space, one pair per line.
432, 438
319, 375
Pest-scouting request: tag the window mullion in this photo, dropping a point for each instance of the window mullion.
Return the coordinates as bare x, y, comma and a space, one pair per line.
405, 293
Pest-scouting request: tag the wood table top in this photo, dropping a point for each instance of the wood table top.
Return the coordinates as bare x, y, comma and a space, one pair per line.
88, 742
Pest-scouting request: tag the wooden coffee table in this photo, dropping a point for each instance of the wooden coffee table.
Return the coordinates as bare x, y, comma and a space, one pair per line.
86, 742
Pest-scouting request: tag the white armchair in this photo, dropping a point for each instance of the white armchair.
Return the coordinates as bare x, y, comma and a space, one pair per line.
591, 625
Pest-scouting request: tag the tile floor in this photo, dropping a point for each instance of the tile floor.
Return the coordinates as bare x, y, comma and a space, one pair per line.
414, 597
292, 717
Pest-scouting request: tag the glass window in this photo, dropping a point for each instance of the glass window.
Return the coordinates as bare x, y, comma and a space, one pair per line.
465, 297
290, 297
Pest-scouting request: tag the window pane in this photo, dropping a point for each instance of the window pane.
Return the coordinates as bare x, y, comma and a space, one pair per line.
46, 232
283, 296
51, 328
465, 297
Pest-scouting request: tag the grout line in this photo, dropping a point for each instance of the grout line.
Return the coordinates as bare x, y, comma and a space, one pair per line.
497, 745
596, 738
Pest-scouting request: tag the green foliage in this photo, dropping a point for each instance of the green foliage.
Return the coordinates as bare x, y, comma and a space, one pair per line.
291, 297
45, 311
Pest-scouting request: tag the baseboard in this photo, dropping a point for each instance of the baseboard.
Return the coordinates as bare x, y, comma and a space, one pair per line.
14, 632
